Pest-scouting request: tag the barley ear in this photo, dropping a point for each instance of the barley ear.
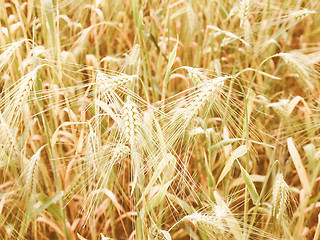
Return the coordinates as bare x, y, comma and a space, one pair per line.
32, 172
280, 198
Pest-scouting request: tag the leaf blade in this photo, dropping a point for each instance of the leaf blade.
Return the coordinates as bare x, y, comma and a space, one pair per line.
248, 181
299, 165
238, 152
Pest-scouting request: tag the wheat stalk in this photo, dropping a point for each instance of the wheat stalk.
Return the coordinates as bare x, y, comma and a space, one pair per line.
195, 75
8, 52
280, 197
6, 133
131, 120
32, 172
244, 11
107, 82
304, 69
206, 222
208, 91
301, 14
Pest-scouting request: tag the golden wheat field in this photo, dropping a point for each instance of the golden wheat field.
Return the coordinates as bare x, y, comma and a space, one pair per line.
149, 119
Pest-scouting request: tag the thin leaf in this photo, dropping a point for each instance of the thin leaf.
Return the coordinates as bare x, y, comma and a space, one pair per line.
53, 208
158, 198
46, 204
166, 234
225, 143
102, 237
80, 237
172, 57
299, 166
293, 104
252, 189
240, 151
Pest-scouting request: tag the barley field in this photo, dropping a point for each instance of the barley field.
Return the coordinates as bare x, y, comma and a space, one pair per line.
148, 119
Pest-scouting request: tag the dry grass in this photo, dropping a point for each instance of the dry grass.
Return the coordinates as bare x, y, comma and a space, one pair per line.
159, 119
